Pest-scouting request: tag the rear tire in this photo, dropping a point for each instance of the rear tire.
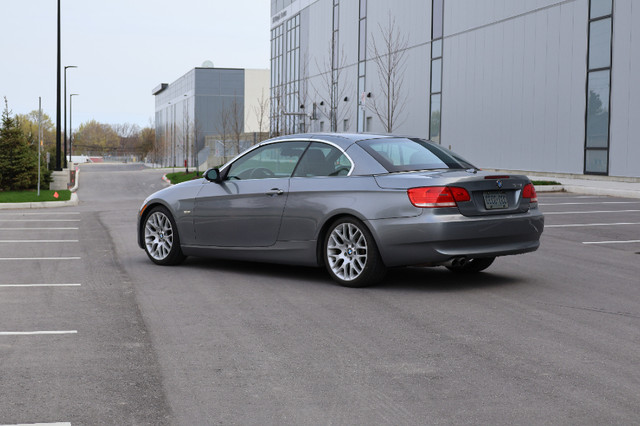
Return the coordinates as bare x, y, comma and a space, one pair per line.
161, 239
472, 265
351, 255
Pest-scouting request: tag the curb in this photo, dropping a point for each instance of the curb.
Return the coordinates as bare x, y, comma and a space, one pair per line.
41, 204
74, 201
550, 188
612, 192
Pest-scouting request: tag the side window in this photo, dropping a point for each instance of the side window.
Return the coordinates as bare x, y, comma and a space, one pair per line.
322, 159
276, 160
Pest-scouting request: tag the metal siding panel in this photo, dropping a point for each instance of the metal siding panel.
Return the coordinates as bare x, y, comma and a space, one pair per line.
551, 89
625, 107
578, 84
564, 156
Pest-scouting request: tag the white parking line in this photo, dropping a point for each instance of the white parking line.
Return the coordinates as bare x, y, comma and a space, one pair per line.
611, 242
39, 214
589, 204
40, 220
38, 241
36, 333
40, 258
595, 211
571, 225
39, 285
37, 229
41, 424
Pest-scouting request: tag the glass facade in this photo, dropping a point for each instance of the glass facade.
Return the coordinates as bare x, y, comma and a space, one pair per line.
435, 99
596, 157
285, 77
190, 110
362, 65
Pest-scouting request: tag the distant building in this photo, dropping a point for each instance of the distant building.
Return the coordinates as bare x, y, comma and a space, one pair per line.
205, 111
537, 85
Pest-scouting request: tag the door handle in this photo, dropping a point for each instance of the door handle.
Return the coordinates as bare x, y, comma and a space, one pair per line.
274, 191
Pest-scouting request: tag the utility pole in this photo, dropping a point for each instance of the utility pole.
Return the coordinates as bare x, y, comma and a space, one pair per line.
39, 139
58, 135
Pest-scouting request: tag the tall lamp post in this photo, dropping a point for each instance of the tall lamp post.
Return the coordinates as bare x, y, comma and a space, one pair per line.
65, 114
58, 162
71, 122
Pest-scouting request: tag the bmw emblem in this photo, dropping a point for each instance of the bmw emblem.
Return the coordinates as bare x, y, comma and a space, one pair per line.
499, 184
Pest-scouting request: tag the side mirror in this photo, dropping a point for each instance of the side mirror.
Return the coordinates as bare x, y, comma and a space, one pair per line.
213, 175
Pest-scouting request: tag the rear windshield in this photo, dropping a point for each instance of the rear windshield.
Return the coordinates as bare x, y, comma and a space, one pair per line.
407, 154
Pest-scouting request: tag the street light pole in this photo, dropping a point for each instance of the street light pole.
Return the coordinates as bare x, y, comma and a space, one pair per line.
65, 114
71, 122
58, 141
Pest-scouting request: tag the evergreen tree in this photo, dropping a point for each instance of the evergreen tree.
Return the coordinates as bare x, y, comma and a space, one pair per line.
18, 160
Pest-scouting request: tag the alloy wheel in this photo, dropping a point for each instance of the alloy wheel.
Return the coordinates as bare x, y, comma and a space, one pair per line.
158, 235
347, 251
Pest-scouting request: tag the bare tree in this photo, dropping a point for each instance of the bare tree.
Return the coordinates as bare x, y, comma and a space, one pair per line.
261, 110
223, 128
303, 90
277, 112
237, 122
334, 91
198, 135
390, 60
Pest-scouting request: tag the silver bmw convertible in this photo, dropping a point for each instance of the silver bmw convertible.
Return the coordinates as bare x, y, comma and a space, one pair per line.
355, 204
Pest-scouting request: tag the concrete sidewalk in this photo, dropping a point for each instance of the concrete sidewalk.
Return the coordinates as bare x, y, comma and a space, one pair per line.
588, 185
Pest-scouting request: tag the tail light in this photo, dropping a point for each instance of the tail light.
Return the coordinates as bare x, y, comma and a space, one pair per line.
529, 191
437, 196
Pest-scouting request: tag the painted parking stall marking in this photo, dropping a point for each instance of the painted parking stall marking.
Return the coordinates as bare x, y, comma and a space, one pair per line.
34, 333
18, 247
38, 241
608, 223
37, 285
611, 242
20, 235
572, 225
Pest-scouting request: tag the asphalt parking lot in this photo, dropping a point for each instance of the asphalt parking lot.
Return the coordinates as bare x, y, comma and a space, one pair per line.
70, 330
92, 333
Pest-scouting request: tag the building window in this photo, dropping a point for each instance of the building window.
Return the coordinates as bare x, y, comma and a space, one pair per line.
368, 126
596, 156
345, 125
435, 98
362, 64
285, 76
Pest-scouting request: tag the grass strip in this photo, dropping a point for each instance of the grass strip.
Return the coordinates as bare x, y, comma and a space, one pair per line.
31, 196
178, 177
545, 182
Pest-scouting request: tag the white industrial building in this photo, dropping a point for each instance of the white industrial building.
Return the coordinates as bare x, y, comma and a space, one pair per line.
534, 85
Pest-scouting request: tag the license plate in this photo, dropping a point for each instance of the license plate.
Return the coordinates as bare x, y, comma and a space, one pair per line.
495, 200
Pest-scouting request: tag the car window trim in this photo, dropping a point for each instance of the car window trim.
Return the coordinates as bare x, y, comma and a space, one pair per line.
224, 167
353, 165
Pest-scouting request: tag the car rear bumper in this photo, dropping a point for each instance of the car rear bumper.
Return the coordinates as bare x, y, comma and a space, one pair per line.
437, 238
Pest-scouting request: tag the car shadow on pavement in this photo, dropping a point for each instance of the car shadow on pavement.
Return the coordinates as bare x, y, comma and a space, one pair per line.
439, 279
436, 279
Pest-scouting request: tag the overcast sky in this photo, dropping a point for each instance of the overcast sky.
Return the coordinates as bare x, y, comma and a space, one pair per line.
123, 49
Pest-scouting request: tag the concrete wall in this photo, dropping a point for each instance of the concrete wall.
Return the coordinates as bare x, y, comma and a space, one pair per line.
256, 88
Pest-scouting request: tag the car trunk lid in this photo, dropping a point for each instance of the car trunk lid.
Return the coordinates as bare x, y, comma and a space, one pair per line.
490, 193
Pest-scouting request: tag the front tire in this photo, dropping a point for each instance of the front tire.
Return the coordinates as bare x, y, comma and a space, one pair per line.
161, 239
351, 255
